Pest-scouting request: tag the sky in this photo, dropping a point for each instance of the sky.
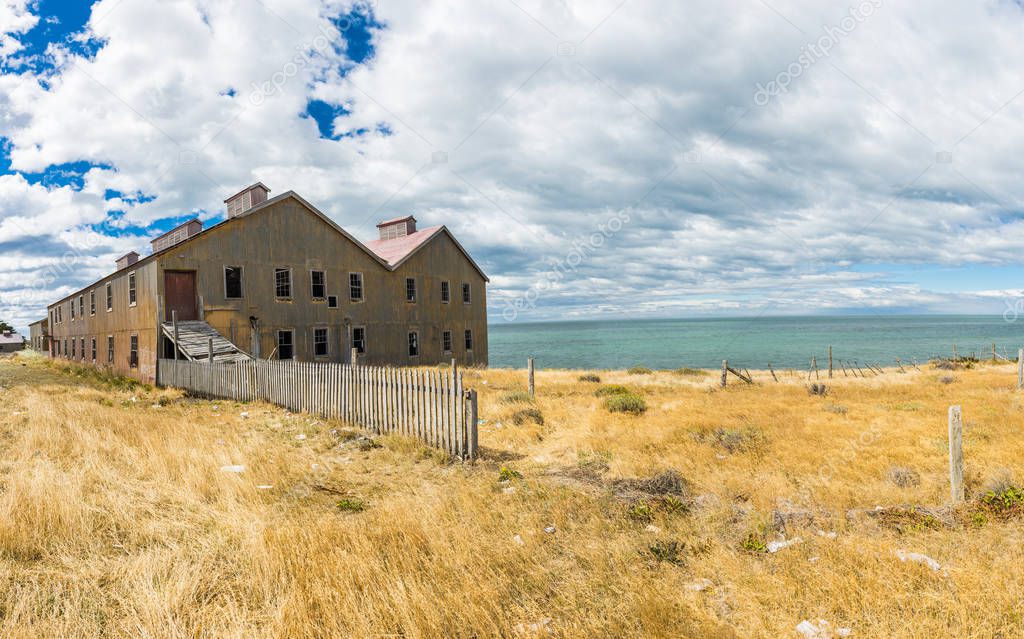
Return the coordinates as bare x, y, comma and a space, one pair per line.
606, 158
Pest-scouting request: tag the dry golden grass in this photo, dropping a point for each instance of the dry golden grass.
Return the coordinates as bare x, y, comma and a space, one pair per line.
116, 519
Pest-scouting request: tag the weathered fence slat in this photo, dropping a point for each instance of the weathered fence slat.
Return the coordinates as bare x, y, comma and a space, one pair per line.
430, 405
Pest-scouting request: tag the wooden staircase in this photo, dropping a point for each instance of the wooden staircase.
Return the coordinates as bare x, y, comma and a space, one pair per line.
194, 343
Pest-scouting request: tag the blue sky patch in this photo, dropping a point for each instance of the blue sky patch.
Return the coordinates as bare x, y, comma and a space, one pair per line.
68, 174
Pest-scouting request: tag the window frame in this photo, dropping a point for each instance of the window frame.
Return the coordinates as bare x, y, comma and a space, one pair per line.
410, 288
110, 349
94, 350
359, 345
446, 292
332, 301
92, 303
81, 305
71, 306
446, 342
81, 346
413, 344
133, 351
468, 340
110, 296
241, 282
361, 285
291, 334
326, 341
133, 293
283, 298
313, 285
467, 293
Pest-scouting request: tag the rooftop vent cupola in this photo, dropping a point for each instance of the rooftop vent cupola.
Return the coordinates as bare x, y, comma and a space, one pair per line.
127, 260
247, 198
177, 235
398, 227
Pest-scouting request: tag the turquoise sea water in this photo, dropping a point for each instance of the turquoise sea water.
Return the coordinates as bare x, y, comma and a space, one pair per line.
784, 342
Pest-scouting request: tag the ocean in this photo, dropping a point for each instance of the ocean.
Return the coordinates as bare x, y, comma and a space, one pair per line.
754, 343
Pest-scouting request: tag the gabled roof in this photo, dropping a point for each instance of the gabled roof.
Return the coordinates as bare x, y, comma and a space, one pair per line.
396, 251
12, 338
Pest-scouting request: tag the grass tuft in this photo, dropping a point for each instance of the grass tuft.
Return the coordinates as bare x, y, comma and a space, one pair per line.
630, 403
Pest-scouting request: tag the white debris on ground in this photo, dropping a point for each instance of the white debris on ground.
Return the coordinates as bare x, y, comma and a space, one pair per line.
264, 486
550, 529
828, 535
133, 399
244, 415
540, 626
917, 557
519, 540
821, 629
237, 468
776, 546
699, 586
814, 560
300, 436
651, 528
508, 490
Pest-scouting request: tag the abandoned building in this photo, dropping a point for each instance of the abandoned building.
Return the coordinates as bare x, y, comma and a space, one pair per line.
11, 342
277, 279
39, 335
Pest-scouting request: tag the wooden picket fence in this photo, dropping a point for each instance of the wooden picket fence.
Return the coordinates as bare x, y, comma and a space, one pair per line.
430, 405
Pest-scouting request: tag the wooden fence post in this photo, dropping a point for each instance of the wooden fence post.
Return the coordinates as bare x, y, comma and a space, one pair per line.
955, 356
725, 372
472, 424
1020, 369
956, 454
174, 323
993, 351
355, 356
772, 371
530, 383
830, 361
209, 350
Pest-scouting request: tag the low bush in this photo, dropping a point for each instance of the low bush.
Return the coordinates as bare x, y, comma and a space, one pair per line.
692, 372
594, 379
507, 474
669, 551
639, 370
1004, 501
351, 505
614, 389
903, 477
625, 403
525, 415
517, 397
747, 439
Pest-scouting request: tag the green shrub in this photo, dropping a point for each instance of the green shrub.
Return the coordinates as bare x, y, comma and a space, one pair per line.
693, 372
670, 551
517, 397
614, 389
590, 378
524, 415
1004, 501
639, 370
351, 505
507, 474
754, 542
640, 511
625, 403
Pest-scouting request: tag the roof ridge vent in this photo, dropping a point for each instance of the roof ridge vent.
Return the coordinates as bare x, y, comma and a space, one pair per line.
397, 227
247, 198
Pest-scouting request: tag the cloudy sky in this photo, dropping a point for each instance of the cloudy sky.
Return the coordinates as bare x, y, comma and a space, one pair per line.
599, 158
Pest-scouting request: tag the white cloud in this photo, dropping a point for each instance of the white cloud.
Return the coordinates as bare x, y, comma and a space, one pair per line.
735, 207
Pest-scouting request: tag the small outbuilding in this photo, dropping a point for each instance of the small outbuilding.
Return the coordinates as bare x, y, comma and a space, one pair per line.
11, 342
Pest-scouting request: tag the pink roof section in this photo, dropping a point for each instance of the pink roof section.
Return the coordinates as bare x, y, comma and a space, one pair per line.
396, 250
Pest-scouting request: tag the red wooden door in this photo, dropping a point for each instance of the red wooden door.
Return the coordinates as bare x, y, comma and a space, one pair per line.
180, 295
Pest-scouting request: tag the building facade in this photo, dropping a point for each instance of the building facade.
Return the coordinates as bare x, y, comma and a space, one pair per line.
11, 342
279, 280
39, 335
